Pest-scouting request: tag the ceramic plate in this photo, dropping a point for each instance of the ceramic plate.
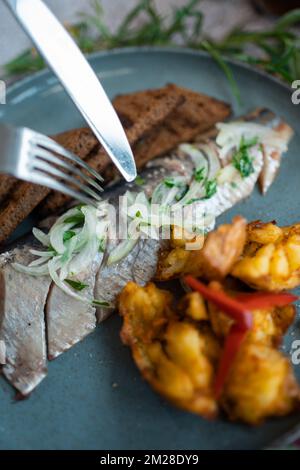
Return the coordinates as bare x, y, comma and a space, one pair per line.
93, 396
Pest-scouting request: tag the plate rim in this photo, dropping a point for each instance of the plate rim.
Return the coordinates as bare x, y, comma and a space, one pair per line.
146, 49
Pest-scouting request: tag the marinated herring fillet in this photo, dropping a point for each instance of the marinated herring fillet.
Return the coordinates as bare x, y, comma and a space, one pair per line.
69, 320
22, 322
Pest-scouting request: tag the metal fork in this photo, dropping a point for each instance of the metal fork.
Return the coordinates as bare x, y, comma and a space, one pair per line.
33, 157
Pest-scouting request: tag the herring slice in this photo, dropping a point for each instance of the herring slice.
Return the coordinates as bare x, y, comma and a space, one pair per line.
23, 298
70, 320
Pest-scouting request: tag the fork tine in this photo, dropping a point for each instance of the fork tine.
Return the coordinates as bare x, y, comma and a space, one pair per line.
45, 155
40, 165
41, 178
48, 143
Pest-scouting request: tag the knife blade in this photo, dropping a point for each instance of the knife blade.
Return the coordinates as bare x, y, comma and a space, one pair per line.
78, 79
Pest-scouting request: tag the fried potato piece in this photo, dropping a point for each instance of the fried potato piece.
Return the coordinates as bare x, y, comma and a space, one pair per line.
183, 239
260, 384
269, 324
193, 306
178, 352
174, 356
145, 311
221, 249
271, 258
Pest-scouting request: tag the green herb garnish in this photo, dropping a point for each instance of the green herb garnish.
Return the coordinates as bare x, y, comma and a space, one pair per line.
102, 245
77, 219
241, 159
77, 285
169, 182
195, 199
172, 182
68, 234
138, 214
199, 174
210, 188
139, 181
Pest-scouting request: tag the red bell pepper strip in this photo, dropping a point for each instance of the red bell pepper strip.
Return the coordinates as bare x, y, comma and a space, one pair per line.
257, 300
233, 308
232, 346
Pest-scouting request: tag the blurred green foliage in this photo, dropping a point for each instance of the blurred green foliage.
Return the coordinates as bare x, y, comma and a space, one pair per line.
278, 47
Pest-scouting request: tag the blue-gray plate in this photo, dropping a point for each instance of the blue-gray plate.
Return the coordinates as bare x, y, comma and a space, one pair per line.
93, 396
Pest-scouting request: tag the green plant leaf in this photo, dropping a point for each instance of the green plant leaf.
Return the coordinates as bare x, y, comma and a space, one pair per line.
77, 285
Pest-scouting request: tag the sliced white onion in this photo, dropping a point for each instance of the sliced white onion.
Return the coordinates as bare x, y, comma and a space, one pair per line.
122, 250
196, 191
52, 266
42, 237
85, 257
57, 236
196, 155
32, 270
230, 135
38, 262
213, 160
42, 254
227, 174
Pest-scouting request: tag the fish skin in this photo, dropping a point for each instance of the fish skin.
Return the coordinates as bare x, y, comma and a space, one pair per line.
22, 322
272, 159
111, 280
69, 320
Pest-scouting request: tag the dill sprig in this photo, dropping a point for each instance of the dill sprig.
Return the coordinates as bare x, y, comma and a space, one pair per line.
279, 46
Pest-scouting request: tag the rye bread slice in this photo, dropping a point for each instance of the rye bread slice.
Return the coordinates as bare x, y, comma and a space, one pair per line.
195, 115
7, 184
149, 119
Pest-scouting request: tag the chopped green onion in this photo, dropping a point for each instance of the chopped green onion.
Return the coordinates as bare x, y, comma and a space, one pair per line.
241, 159
210, 188
139, 181
77, 219
77, 285
102, 245
199, 174
170, 182
68, 235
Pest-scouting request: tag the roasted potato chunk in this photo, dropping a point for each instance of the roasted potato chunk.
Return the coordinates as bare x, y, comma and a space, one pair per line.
178, 348
145, 311
271, 258
221, 249
184, 239
260, 384
174, 356
193, 306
